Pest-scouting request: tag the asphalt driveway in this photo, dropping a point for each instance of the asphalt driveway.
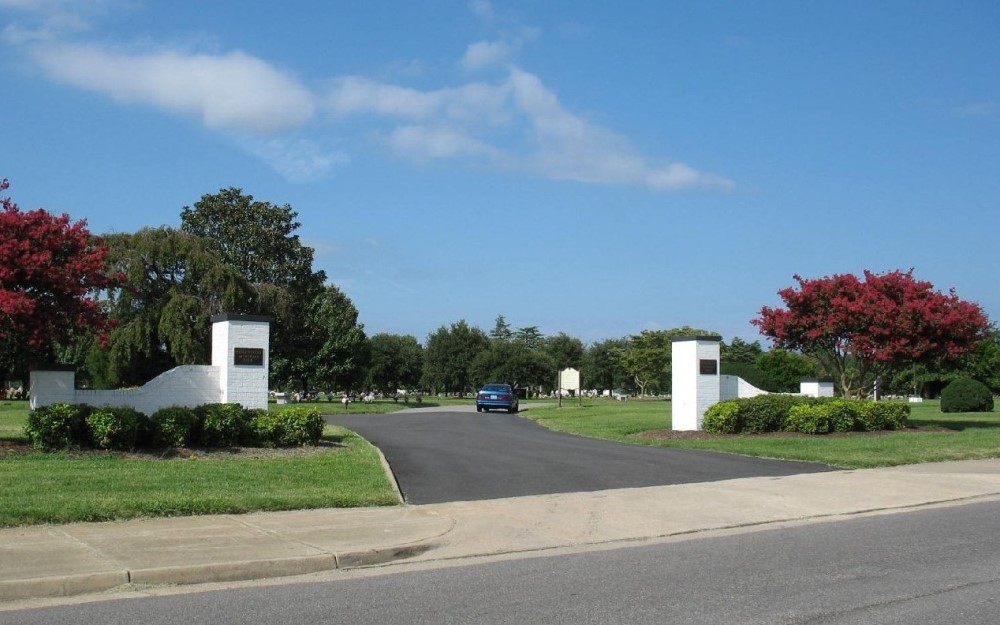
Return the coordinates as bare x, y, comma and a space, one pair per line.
440, 455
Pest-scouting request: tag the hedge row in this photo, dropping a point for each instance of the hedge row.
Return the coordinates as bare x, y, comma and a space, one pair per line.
790, 413
66, 426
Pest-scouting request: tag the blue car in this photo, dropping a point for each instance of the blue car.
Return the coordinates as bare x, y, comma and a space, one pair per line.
497, 396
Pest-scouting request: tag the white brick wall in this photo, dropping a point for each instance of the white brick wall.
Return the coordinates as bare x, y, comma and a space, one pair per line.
735, 387
189, 385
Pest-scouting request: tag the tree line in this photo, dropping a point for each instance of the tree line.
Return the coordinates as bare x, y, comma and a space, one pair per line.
125, 307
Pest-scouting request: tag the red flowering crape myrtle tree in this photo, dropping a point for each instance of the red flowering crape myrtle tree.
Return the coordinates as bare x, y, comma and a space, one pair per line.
50, 272
862, 329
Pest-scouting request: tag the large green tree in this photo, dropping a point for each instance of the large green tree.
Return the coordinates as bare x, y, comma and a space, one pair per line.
602, 365
449, 354
564, 350
395, 362
171, 284
647, 357
340, 356
260, 240
514, 363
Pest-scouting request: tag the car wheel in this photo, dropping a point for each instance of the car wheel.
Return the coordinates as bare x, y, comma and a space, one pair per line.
479, 408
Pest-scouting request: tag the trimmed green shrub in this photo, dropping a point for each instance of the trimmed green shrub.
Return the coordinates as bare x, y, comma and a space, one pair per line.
766, 413
263, 427
301, 426
285, 428
809, 419
58, 426
722, 418
966, 395
844, 414
174, 426
114, 427
874, 416
221, 425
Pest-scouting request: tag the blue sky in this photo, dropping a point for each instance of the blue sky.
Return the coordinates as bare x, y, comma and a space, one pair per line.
592, 168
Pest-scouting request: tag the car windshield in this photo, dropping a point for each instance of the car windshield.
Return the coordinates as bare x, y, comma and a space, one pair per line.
494, 388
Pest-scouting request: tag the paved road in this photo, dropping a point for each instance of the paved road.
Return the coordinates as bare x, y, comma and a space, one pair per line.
439, 456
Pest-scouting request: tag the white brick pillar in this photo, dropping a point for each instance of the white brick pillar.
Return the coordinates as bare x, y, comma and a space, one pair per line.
241, 353
695, 379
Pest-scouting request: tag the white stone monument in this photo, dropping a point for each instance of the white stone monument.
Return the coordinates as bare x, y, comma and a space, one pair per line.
240, 350
238, 374
695, 379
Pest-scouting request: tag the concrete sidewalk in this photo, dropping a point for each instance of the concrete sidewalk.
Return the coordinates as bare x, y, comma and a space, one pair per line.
62, 560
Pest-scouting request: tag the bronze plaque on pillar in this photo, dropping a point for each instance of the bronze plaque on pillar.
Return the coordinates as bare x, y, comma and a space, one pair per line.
248, 356
709, 367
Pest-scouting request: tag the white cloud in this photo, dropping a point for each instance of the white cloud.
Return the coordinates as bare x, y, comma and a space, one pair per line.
423, 142
298, 160
231, 91
512, 122
484, 54
482, 9
355, 95
570, 148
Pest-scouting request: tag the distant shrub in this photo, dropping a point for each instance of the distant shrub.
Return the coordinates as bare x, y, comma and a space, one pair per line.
966, 395
221, 425
114, 427
58, 426
174, 426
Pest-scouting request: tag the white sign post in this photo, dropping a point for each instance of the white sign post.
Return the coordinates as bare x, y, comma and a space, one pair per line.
569, 379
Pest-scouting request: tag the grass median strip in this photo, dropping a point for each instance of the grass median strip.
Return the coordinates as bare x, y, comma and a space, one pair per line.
68, 487
932, 437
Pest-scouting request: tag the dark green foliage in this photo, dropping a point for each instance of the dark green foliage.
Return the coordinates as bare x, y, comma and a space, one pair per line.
773, 413
765, 413
263, 427
57, 426
174, 426
966, 395
221, 425
114, 427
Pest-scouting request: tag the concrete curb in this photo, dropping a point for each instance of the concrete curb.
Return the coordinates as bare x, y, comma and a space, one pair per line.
69, 585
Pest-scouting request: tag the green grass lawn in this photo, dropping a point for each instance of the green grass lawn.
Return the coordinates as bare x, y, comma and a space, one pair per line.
66, 487
94, 486
969, 435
